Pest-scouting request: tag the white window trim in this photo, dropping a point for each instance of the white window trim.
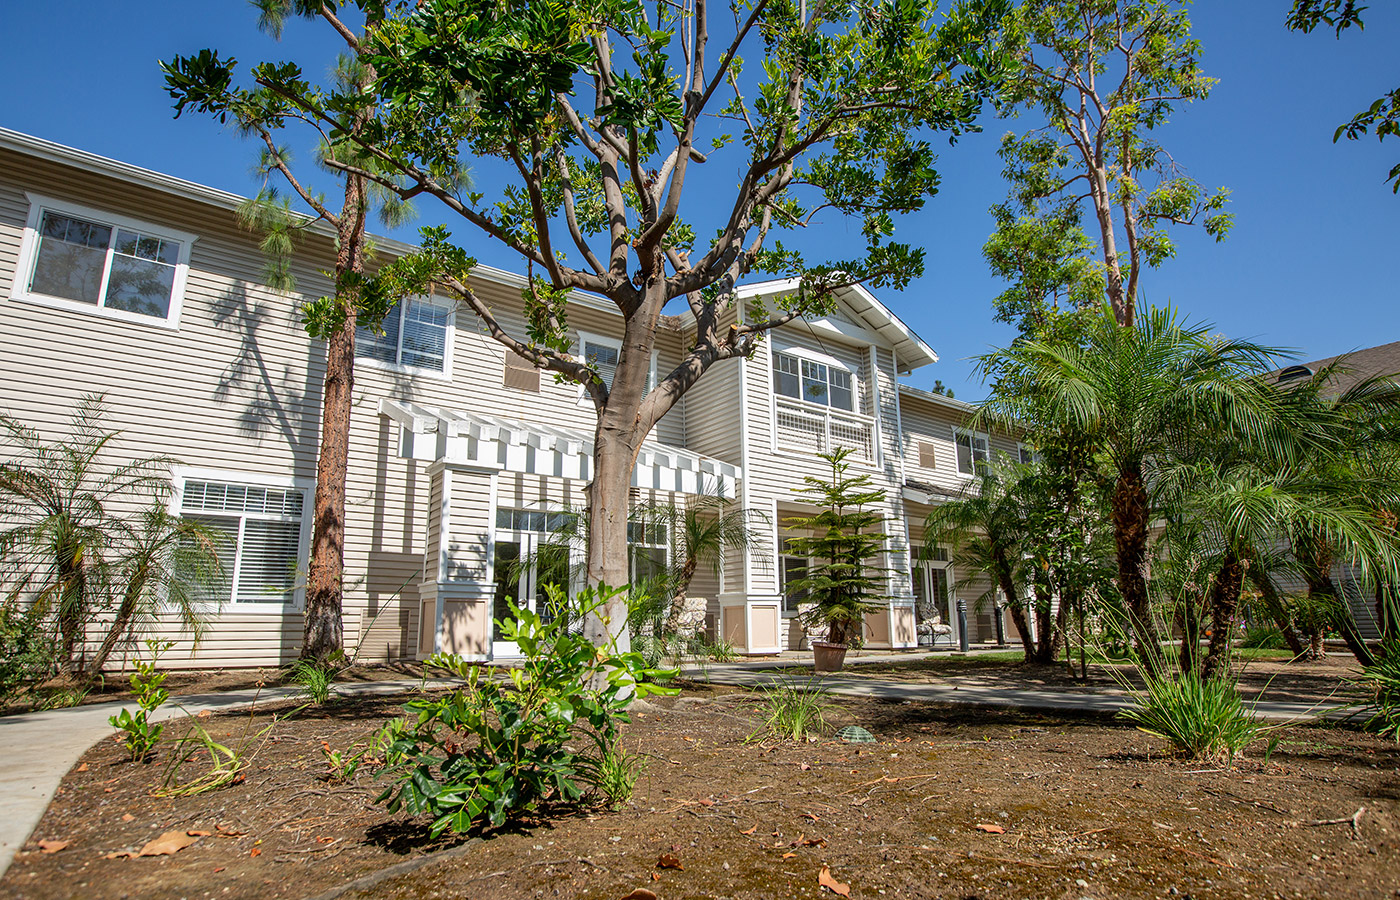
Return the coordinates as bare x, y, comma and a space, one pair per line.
986, 438
813, 356
29, 256
1022, 446
443, 374
589, 337
306, 486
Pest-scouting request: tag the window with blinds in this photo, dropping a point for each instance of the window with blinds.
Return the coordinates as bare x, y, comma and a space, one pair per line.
603, 355
258, 532
413, 334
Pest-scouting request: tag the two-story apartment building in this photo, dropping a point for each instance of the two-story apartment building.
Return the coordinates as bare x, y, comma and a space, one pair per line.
142, 287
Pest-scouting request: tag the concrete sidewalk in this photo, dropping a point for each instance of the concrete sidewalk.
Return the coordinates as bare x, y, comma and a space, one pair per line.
954, 690
37, 749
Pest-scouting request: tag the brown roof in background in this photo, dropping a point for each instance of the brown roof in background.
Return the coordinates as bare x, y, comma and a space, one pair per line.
1358, 365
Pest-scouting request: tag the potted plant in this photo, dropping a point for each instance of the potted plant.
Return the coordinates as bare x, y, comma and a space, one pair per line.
843, 540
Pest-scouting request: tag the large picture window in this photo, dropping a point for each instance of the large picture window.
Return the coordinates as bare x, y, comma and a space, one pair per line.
816, 382
92, 261
415, 336
259, 533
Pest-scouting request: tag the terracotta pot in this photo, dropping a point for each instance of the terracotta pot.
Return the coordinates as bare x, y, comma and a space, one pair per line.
828, 657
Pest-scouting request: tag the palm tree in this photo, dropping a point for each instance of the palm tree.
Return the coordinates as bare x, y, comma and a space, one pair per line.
1135, 391
701, 532
71, 545
987, 526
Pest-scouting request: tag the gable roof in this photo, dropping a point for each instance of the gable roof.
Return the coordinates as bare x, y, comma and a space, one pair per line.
910, 349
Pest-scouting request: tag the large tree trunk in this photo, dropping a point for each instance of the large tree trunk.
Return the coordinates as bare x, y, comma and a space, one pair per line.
1130, 512
1224, 602
324, 632
608, 497
1018, 612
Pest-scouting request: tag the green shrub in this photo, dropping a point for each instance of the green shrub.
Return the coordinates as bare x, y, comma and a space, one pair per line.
794, 709
1203, 718
1383, 679
1263, 637
502, 745
28, 649
141, 736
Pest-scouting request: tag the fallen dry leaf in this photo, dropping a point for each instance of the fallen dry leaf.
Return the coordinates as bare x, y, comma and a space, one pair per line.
128, 817
640, 894
669, 861
167, 844
119, 854
199, 833
82, 767
861, 802
831, 884
256, 851
813, 816
219, 869
53, 846
991, 829
655, 876
789, 855
229, 831
203, 714
707, 803
750, 831
805, 767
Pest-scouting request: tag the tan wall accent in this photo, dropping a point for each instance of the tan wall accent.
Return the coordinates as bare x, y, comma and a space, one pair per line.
466, 627
904, 634
765, 624
732, 626
427, 619
877, 628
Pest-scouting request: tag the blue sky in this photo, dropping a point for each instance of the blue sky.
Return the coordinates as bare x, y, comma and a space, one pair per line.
1306, 267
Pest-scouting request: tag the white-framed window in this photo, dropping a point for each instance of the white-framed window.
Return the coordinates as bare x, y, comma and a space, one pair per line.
604, 354
647, 544
260, 526
1025, 454
92, 261
973, 453
823, 382
791, 568
417, 334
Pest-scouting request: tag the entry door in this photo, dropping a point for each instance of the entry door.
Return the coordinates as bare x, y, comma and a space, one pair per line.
524, 567
933, 592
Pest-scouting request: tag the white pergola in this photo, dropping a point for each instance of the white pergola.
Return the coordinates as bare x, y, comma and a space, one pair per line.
432, 434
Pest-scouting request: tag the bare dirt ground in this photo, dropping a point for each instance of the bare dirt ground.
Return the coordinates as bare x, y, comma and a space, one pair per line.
1089, 808
116, 686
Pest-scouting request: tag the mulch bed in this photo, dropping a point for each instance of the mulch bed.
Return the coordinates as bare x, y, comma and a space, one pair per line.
1089, 808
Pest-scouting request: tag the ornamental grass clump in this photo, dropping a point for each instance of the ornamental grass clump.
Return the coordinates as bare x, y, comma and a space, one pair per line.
508, 740
793, 710
1202, 718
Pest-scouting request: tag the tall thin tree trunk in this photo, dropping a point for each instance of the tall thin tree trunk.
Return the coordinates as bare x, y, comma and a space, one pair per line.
1273, 603
1018, 611
1223, 602
1130, 512
324, 623
1188, 622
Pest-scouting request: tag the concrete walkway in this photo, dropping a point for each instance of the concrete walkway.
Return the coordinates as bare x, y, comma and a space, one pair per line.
37, 749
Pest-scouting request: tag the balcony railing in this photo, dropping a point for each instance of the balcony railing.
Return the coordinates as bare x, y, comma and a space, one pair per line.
815, 429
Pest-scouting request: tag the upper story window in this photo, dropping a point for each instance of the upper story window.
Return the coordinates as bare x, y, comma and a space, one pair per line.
91, 261
972, 451
417, 335
824, 383
604, 354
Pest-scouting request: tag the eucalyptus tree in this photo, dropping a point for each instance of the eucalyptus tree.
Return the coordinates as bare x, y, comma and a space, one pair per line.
359, 299
1382, 117
1134, 392
1103, 75
600, 115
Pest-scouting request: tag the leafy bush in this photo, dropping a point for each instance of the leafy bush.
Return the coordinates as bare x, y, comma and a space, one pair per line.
28, 651
1204, 718
316, 677
502, 745
141, 736
794, 709
1383, 679
1263, 637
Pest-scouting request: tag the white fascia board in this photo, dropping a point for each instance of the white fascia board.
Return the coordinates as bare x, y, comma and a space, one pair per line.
937, 399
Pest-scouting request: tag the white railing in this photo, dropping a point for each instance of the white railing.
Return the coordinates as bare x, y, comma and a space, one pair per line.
815, 429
